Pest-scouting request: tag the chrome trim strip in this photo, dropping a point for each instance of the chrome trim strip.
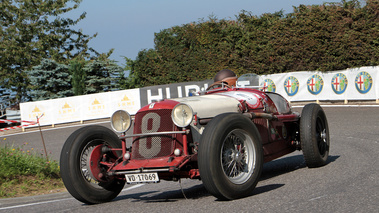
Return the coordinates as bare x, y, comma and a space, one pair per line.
152, 134
141, 171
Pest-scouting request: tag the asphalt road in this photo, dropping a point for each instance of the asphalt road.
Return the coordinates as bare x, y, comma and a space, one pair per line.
348, 183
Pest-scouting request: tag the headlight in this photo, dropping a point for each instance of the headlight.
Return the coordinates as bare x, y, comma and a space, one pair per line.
182, 115
121, 121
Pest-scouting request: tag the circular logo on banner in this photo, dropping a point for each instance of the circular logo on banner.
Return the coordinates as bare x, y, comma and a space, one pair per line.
291, 85
268, 85
315, 84
339, 83
363, 82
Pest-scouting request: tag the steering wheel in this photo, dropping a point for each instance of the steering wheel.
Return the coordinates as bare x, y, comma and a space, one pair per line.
218, 85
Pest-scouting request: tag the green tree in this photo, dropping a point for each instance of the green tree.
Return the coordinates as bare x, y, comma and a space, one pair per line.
124, 79
50, 80
32, 30
78, 76
5, 97
327, 37
102, 75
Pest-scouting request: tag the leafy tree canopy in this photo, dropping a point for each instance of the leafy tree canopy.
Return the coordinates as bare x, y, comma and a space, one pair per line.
327, 37
32, 30
50, 80
78, 76
101, 76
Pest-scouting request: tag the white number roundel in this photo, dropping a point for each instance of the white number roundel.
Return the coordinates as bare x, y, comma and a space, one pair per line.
156, 143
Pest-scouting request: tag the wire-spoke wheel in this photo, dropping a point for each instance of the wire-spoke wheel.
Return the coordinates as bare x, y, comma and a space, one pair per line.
238, 156
230, 156
75, 163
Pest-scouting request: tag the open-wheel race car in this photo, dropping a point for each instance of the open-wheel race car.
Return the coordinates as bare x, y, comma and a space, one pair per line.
221, 135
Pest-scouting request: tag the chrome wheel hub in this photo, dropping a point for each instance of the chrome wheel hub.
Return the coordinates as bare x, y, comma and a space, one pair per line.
238, 156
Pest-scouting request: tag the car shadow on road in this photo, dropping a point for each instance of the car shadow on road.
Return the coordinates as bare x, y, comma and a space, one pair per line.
286, 165
195, 192
282, 166
270, 170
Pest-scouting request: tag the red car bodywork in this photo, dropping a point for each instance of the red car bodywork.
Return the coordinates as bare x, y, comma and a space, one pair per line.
156, 137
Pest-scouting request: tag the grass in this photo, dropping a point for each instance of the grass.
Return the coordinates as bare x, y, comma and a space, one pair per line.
26, 172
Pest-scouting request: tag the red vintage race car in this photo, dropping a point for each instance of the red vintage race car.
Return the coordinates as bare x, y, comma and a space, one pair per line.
221, 136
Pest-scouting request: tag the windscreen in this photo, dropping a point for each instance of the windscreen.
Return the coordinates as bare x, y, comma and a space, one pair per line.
249, 80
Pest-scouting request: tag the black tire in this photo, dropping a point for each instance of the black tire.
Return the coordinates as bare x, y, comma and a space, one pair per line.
314, 135
234, 139
74, 168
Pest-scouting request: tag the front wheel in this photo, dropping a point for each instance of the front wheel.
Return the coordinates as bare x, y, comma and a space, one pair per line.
230, 156
314, 135
75, 163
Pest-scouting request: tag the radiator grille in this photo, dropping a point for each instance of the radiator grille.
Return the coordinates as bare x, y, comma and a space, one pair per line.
153, 146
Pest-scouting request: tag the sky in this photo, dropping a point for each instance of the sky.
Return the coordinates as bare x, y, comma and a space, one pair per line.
128, 26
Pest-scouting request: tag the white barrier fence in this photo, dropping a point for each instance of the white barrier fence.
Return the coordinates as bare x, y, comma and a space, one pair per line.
80, 108
351, 84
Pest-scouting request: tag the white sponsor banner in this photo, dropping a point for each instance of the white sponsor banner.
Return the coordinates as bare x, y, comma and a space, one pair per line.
40, 109
81, 108
67, 109
128, 100
95, 106
351, 84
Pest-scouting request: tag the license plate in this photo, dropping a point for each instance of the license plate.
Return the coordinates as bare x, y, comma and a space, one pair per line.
142, 178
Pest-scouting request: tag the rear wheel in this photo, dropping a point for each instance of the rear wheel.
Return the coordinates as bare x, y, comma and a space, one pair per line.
75, 163
230, 156
314, 135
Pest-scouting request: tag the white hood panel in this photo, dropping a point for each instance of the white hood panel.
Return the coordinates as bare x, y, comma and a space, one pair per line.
208, 106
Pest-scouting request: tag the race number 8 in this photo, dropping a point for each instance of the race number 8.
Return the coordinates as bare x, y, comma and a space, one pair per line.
156, 145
